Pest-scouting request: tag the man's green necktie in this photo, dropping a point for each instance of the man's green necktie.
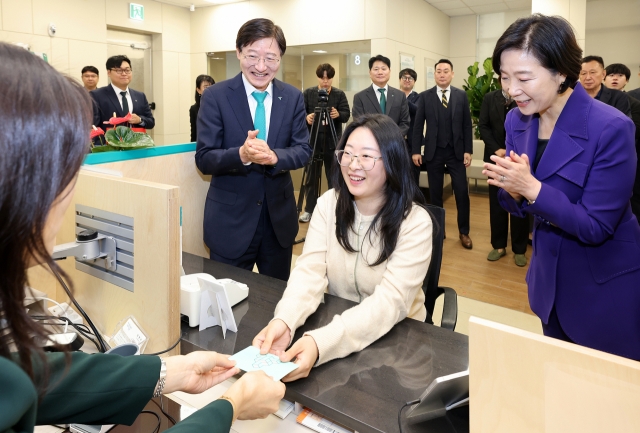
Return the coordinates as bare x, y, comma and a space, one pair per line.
383, 101
260, 120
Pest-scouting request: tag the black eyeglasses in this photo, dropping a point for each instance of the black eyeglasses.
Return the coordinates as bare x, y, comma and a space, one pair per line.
366, 162
407, 78
121, 71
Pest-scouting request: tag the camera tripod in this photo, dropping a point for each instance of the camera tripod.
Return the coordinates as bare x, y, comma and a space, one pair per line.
312, 174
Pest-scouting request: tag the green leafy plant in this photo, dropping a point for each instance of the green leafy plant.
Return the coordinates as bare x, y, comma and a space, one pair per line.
477, 86
123, 138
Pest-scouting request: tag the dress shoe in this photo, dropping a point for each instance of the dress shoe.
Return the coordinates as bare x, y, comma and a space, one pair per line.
521, 260
305, 217
496, 255
466, 241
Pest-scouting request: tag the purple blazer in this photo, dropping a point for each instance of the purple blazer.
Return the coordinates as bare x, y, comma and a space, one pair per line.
586, 241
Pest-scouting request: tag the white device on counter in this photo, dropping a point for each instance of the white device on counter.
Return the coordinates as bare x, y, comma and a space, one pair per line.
191, 293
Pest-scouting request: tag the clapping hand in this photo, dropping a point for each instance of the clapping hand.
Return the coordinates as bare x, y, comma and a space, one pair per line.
513, 174
257, 151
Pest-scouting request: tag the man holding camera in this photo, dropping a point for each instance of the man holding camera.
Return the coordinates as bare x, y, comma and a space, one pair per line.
339, 112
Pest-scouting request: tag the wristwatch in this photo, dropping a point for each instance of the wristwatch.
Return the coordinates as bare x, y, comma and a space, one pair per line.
163, 376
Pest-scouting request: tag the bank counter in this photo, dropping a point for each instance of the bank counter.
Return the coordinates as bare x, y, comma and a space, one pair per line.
363, 391
518, 381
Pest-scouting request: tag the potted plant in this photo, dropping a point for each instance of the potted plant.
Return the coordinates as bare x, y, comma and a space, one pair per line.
478, 86
120, 137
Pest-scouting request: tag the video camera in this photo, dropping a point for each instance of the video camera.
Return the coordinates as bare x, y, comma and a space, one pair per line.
323, 97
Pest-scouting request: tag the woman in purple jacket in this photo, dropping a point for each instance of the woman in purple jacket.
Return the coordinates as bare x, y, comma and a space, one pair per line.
570, 163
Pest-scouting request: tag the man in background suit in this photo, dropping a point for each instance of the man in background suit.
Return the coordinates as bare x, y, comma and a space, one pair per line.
251, 133
90, 76
635, 93
493, 113
592, 76
408, 78
380, 97
339, 112
448, 143
118, 98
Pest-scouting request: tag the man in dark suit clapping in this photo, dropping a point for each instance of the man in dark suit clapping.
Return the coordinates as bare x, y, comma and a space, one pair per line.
448, 143
251, 133
382, 98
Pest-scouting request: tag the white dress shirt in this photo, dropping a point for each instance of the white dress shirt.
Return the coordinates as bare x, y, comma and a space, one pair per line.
386, 91
129, 100
253, 104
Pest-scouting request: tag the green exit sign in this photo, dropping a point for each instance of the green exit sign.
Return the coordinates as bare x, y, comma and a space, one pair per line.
136, 12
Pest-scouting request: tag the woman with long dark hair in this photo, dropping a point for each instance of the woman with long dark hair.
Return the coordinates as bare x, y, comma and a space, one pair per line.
202, 82
44, 138
570, 163
369, 241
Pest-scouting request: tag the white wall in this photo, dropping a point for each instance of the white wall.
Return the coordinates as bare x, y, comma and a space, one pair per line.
463, 33
613, 32
393, 26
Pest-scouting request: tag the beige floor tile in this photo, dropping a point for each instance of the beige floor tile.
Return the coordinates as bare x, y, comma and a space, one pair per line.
469, 307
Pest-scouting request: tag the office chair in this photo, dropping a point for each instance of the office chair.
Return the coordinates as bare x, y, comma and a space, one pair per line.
430, 285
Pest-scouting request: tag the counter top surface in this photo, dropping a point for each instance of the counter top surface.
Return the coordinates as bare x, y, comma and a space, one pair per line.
363, 391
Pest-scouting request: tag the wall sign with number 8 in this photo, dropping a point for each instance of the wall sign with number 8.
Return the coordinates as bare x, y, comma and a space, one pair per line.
357, 59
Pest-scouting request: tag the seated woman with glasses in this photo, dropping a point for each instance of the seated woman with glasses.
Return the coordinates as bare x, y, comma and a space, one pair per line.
369, 241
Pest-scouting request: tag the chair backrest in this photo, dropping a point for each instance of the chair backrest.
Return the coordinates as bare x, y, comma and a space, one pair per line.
430, 285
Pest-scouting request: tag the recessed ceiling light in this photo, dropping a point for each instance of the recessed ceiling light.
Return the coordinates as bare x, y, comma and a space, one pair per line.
320, 51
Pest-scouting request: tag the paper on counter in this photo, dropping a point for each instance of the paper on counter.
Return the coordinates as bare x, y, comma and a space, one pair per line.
249, 359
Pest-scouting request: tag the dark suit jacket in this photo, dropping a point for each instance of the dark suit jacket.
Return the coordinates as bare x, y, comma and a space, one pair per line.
491, 123
337, 100
366, 102
634, 93
635, 117
237, 191
96, 389
616, 99
193, 118
461, 122
107, 103
586, 240
412, 101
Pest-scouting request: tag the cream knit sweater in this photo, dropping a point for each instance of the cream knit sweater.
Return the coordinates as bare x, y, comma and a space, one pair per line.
386, 293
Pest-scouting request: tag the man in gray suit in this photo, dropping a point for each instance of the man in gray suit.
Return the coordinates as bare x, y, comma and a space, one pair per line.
380, 97
448, 142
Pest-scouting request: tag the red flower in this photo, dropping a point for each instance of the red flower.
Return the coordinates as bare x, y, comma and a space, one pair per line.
96, 132
118, 120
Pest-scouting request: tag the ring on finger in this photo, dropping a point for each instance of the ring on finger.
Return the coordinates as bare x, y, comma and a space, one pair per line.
502, 178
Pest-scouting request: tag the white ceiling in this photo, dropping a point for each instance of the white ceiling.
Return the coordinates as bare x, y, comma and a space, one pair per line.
455, 8
452, 8
197, 3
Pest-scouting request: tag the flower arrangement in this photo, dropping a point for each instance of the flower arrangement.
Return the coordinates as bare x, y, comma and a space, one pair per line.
120, 137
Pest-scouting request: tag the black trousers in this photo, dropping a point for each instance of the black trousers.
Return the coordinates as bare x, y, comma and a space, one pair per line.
635, 205
264, 251
445, 157
499, 220
320, 158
